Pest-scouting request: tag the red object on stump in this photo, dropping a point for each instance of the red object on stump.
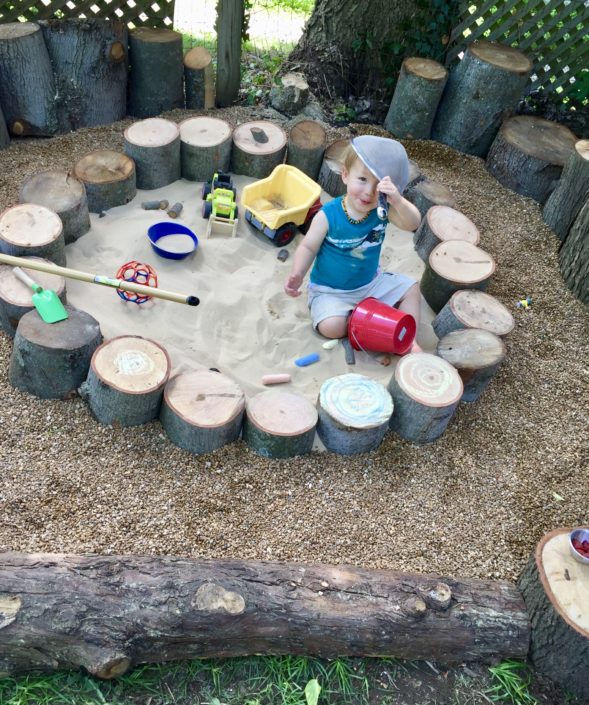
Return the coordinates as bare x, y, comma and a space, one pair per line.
139, 273
378, 327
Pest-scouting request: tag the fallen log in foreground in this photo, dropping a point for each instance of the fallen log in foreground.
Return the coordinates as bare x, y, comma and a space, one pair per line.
107, 613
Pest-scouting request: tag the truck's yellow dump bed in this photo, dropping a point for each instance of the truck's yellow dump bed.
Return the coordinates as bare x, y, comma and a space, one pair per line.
283, 197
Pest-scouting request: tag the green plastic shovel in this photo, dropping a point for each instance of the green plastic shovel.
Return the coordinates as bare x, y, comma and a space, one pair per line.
46, 301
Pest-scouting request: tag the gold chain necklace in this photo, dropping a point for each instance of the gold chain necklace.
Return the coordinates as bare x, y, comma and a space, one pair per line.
351, 220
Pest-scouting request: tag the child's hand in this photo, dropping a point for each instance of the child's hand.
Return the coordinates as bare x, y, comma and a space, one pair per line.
387, 187
292, 286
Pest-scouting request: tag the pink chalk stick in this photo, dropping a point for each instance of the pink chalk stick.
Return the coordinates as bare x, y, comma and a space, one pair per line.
276, 379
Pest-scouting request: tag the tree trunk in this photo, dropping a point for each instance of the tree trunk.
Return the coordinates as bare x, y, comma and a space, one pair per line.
425, 194
574, 256
156, 78
469, 308
416, 98
202, 411
528, 155
476, 354
109, 178
63, 193
89, 58
108, 613
154, 146
306, 146
555, 588
199, 79
345, 47
482, 90
205, 147
354, 414
425, 391
126, 381
442, 223
571, 191
52, 361
258, 147
30, 230
330, 174
229, 23
4, 136
27, 88
279, 424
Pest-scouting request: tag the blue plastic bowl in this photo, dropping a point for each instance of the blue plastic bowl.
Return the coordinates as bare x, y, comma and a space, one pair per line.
164, 249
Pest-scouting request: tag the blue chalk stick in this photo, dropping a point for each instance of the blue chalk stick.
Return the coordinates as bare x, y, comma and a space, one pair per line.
307, 360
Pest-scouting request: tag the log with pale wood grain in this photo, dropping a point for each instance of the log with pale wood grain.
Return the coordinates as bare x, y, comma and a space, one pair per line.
330, 173
470, 308
31, 230
290, 94
258, 147
109, 177
306, 147
443, 223
205, 147
528, 155
109, 613
199, 79
416, 98
555, 588
154, 146
425, 194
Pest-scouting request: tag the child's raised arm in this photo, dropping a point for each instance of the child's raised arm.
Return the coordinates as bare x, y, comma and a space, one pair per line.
305, 254
402, 213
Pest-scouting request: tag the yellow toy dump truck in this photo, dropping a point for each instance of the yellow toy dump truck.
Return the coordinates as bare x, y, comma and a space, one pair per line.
281, 202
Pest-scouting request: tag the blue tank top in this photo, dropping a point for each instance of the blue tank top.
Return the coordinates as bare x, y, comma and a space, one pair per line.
348, 257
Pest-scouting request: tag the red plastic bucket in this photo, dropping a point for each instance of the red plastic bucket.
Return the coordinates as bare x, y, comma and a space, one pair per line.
378, 327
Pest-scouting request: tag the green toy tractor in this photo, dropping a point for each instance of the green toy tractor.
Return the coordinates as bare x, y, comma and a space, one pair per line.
219, 197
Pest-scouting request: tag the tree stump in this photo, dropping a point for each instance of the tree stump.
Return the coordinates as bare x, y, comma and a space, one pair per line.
528, 155
156, 76
279, 424
443, 223
63, 193
109, 178
469, 308
52, 361
202, 410
425, 391
425, 194
572, 190
126, 380
205, 147
107, 613
417, 94
330, 174
251, 155
291, 95
89, 59
154, 146
476, 354
454, 265
306, 147
415, 175
482, 89
27, 88
354, 414
574, 256
31, 230
555, 588
199, 79
16, 297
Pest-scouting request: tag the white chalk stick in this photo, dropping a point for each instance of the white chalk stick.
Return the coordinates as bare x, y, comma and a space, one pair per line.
330, 344
276, 379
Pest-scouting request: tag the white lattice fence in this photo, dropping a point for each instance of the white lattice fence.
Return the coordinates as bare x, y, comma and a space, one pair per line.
554, 34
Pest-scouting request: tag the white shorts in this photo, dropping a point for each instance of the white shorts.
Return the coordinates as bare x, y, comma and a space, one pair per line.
325, 302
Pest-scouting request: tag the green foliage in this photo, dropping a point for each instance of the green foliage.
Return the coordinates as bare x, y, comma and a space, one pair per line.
512, 681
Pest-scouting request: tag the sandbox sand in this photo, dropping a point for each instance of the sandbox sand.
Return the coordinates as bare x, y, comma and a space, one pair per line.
245, 325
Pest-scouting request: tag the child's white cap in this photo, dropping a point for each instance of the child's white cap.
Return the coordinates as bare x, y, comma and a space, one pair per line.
384, 157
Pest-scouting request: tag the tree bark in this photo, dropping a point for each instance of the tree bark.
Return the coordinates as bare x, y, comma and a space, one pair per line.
63, 193
306, 146
417, 94
27, 88
528, 155
106, 614
52, 361
555, 588
4, 136
574, 256
279, 424
199, 79
252, 157
31, 230
156, 77
425, 391
154, 146
469, 308
482, 90
229, 23
89, 58
330, 173
126, 380
109, 178
572, 190
354, 414
205, 147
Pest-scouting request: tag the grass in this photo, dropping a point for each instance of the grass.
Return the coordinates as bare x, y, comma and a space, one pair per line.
512, 682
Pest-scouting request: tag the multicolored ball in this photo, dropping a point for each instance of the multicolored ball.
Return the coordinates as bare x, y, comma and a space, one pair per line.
138, 273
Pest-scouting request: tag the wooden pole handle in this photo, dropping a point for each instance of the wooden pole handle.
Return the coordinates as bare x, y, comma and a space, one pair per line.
97, 279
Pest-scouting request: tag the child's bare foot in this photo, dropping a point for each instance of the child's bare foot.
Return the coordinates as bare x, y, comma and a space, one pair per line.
416, 347
384, 359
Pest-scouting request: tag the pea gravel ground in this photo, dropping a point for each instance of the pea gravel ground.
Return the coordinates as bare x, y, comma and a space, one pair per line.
510, 467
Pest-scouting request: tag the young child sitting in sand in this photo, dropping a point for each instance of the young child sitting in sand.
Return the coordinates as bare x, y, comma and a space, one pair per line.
345, 239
